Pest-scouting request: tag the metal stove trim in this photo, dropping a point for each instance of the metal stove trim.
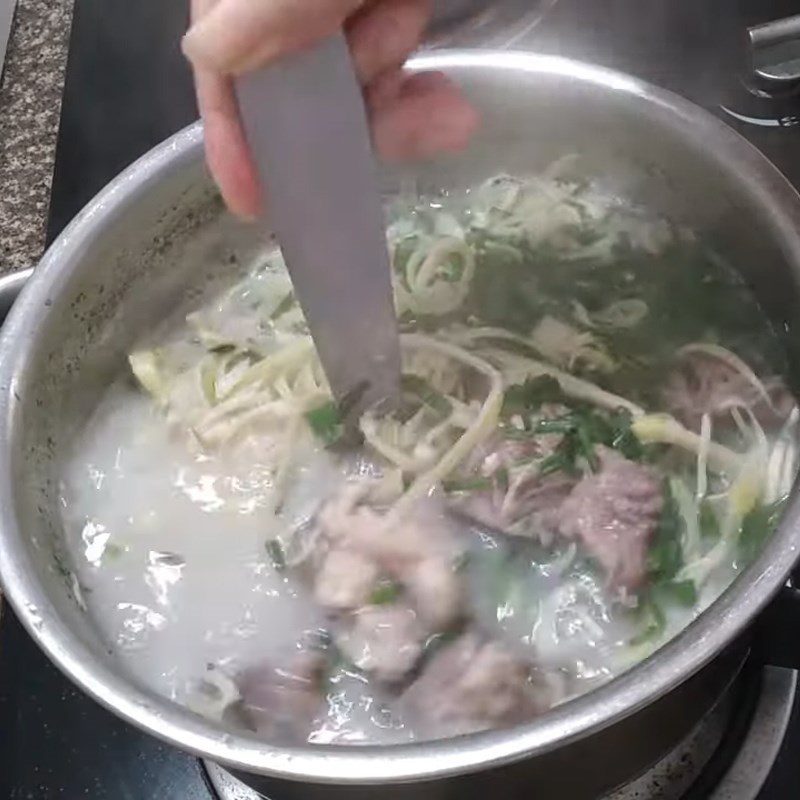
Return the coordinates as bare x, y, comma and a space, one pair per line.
743, 781
760, 749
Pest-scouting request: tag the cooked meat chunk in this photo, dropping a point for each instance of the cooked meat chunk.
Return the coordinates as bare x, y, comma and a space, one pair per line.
702, 384
614, 514
472, 686
435, 592
281, 704
541, 499
524, 502
346, 523
384, 641
344, 580
528, 508
502, 453
499, 451
418, 552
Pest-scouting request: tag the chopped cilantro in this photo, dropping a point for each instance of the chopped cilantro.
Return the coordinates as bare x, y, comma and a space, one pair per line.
326, 423
623, 439
385, 593
583, 429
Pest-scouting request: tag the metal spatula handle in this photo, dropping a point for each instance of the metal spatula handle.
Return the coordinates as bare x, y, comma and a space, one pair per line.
306, 125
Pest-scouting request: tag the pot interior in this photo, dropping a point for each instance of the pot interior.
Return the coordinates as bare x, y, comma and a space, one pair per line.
159, 238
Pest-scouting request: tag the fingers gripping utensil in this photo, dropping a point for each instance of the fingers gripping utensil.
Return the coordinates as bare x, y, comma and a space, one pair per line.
306, 126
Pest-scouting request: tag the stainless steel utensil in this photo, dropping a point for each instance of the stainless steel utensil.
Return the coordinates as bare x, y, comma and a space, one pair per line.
306, 126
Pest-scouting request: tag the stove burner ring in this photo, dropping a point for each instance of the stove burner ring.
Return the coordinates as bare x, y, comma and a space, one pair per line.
738, 765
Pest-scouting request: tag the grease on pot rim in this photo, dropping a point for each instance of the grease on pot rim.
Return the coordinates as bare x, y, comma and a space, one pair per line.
593, 383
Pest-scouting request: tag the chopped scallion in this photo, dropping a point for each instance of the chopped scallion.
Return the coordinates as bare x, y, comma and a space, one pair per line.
325, 423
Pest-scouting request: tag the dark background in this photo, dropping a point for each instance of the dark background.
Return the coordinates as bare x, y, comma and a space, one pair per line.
127, 89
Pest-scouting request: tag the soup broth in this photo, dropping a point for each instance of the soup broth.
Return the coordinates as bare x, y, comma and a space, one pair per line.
594, 438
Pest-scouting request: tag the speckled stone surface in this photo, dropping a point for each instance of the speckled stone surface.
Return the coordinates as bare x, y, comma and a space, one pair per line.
30, 104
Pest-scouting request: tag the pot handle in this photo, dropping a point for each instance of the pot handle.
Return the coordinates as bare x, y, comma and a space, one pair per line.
774, 53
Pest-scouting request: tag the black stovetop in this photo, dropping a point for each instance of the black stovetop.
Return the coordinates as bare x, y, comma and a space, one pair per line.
128, 88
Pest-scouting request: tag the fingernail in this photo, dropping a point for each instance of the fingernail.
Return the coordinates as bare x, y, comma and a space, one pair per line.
215, 40
198, 45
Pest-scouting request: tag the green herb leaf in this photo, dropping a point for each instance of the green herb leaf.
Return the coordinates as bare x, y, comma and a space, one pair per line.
665, 556
652, 619
385, 593
682, 592
326, 423
560, 425
453, 269
757, 527
586, 445
623, 439
402, 252
556, 462
583, 430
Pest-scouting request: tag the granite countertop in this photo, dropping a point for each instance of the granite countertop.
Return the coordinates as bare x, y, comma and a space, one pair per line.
30, 105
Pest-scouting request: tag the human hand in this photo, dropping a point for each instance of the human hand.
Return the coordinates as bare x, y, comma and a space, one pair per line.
411, 116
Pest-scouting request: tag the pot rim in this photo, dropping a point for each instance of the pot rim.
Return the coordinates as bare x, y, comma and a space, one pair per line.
587, 714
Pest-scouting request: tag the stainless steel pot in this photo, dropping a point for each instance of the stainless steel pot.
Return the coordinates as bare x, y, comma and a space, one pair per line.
485, 23
158, 233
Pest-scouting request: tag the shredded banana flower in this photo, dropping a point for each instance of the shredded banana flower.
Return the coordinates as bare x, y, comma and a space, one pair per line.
665, 429
733, 361
481, 428
436, 277
569, 348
